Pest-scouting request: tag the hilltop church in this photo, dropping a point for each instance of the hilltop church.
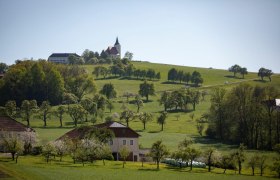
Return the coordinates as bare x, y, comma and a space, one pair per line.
115, 51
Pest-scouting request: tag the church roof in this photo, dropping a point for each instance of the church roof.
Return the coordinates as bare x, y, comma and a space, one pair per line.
112, 50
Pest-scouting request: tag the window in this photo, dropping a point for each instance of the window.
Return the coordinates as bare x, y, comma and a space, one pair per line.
131, 142
124, 142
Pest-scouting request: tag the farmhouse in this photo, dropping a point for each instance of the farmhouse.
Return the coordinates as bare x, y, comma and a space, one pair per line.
61, 58
124, 136
10, 128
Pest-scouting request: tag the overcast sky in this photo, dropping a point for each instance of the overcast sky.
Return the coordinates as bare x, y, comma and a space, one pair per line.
200, 33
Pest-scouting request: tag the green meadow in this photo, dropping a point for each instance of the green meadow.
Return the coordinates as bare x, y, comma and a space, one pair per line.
178, 126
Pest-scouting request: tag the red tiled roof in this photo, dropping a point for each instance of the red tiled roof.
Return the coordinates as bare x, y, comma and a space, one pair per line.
9, 124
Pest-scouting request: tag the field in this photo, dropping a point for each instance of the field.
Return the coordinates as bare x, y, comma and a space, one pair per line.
179, 126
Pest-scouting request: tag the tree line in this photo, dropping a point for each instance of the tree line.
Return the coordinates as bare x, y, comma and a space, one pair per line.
125, 68
181, 76
245, 114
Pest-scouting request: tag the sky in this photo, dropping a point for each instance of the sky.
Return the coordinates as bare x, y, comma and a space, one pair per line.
198, 33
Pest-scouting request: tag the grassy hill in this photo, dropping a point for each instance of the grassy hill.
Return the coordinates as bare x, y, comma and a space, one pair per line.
178, 126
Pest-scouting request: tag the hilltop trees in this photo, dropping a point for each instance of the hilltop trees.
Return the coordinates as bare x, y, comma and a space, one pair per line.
265, 73
238, 69
181, 76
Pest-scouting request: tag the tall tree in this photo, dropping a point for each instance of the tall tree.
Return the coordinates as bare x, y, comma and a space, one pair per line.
59, 112
239, 156
263, 72
158, 152
45, 111
162, 119
27, 109
172, 74
196, 78
146, 89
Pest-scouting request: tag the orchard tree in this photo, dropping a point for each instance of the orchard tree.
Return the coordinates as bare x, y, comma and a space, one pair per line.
45, 111
146, 89
212, 156
138, 102
11, 108
12, 144
124, 153
27, 109
162, 119
240, 156
61, 148
145, 117
158, 152
254, 162
127, 115
76, 112
59, 112
109, 91
196, 78
243, 71
235, 69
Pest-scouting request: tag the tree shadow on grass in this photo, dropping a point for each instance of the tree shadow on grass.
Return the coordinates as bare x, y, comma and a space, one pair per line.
233, 77
107, 78
154, 131
148, 169
215, 143
261, 81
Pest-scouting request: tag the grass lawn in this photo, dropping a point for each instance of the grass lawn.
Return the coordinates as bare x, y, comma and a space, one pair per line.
36, 168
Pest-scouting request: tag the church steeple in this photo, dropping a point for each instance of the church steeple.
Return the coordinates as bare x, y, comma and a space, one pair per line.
117, 41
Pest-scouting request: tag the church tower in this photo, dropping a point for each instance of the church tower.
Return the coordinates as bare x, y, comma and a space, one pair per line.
118, 46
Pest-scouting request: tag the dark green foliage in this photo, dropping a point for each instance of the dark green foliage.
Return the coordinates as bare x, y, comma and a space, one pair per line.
3, 67
109, 91
265, 73
245, 114
146, 89
181, 76
162, 119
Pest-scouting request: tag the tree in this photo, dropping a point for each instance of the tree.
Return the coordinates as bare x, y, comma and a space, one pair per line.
110, 105
172, 74
3, 67
27, 109
69, 98
48, 151
226, 162
61, 148
254, 162
109, 91
196, 78
59, 113
165, 100
81, 86
54, 86
262, 164
76, 112
145, 117
235, 69
45, 111
127, 115
11, 108
28, 138
105, 153
124, 153
162, 119
187, 77
146, 89
128, 55
193, 153
158, 152
239, 156
138, 102
243, 71
194, 97
276, 166
263, 72
12, 144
